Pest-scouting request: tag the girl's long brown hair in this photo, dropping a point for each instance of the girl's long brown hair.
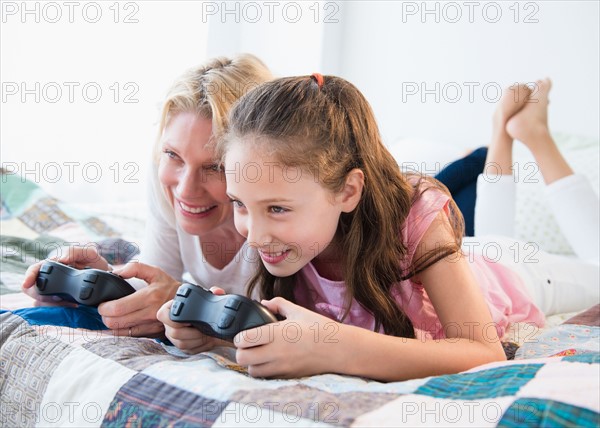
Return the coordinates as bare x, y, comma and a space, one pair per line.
328, 131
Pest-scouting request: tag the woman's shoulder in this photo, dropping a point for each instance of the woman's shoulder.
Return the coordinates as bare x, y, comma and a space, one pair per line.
159, 206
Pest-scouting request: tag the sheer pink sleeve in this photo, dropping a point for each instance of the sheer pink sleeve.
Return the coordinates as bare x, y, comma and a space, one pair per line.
421, 215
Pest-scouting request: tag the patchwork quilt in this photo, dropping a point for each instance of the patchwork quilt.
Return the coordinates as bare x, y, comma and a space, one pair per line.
61, 367
61, 376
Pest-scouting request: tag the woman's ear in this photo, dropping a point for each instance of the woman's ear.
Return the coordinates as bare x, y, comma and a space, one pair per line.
352, 191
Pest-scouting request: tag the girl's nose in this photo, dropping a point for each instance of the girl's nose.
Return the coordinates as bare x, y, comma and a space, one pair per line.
257, 232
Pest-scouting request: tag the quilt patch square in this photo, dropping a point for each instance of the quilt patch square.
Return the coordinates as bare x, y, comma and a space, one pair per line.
582, 389
81, 389
421, 410
532, 412
146, 401
304, 403
491, 383
583, 358
28, 362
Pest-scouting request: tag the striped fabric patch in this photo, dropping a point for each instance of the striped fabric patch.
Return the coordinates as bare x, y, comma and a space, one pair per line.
491, 383
533, 412
28, 361
146, 401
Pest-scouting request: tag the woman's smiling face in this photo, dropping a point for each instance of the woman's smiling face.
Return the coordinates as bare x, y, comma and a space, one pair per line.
192, 178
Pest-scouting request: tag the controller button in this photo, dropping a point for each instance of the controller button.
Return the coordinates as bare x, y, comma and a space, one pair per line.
41, 283
90, 277
176, 308
47, 268
85, 292
184, 292
225, 321
233, 303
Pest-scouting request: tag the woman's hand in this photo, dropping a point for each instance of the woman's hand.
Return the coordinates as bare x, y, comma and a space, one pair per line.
135, 315
75, 256
302, 345
185, 337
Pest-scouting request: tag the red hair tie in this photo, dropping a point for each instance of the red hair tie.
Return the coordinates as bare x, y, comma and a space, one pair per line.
319, 79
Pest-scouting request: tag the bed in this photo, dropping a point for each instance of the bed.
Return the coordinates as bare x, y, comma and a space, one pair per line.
57, 370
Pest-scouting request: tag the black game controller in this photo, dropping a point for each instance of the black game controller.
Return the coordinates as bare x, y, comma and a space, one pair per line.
88, 287
218, 316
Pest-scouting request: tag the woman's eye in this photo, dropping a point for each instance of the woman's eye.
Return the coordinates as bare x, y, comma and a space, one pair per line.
213, 167
277, 210
171, 154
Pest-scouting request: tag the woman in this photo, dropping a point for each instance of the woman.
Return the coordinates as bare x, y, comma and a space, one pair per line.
190, 227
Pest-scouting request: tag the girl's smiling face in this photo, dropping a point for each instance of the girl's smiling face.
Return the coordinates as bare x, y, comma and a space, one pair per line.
282, 211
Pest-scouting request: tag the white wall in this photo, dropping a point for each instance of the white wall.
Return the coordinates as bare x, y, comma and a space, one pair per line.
107, 134
391, 50
286, 38
379, 46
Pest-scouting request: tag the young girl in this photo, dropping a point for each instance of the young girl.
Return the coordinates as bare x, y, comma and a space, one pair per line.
364, 262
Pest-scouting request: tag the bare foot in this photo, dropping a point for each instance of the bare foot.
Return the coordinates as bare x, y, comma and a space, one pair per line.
512, 101
530, 126
531, 122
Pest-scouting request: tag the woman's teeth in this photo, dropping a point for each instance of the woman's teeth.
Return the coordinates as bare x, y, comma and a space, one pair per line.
194, 210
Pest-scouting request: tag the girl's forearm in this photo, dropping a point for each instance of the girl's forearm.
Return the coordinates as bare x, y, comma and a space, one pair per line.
368, 354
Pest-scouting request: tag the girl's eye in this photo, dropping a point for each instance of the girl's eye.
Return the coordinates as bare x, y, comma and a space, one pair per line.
236, 203
278, 210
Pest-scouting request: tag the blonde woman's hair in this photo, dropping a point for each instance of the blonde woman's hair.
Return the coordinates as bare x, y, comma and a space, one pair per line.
210, 90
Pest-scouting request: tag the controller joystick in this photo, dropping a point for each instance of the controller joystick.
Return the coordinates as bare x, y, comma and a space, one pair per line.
218, 316
88, 287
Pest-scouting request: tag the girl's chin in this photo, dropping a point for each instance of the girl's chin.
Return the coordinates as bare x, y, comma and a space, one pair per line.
282, 270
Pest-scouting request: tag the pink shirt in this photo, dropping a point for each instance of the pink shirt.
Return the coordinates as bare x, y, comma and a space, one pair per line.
502, 288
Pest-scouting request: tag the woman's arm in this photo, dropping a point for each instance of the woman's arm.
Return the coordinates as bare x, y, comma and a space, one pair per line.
135, 315
161, 268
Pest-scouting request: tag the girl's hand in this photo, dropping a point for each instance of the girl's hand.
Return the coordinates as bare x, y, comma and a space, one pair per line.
186, 337
302, 345
135, 315
77, 257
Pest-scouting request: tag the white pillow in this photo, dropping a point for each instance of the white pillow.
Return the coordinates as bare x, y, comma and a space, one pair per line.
534, 220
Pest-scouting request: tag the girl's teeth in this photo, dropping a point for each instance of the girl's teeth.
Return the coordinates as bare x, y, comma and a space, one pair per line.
275, 254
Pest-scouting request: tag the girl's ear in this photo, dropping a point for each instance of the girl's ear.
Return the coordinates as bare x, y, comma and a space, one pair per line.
352, 191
